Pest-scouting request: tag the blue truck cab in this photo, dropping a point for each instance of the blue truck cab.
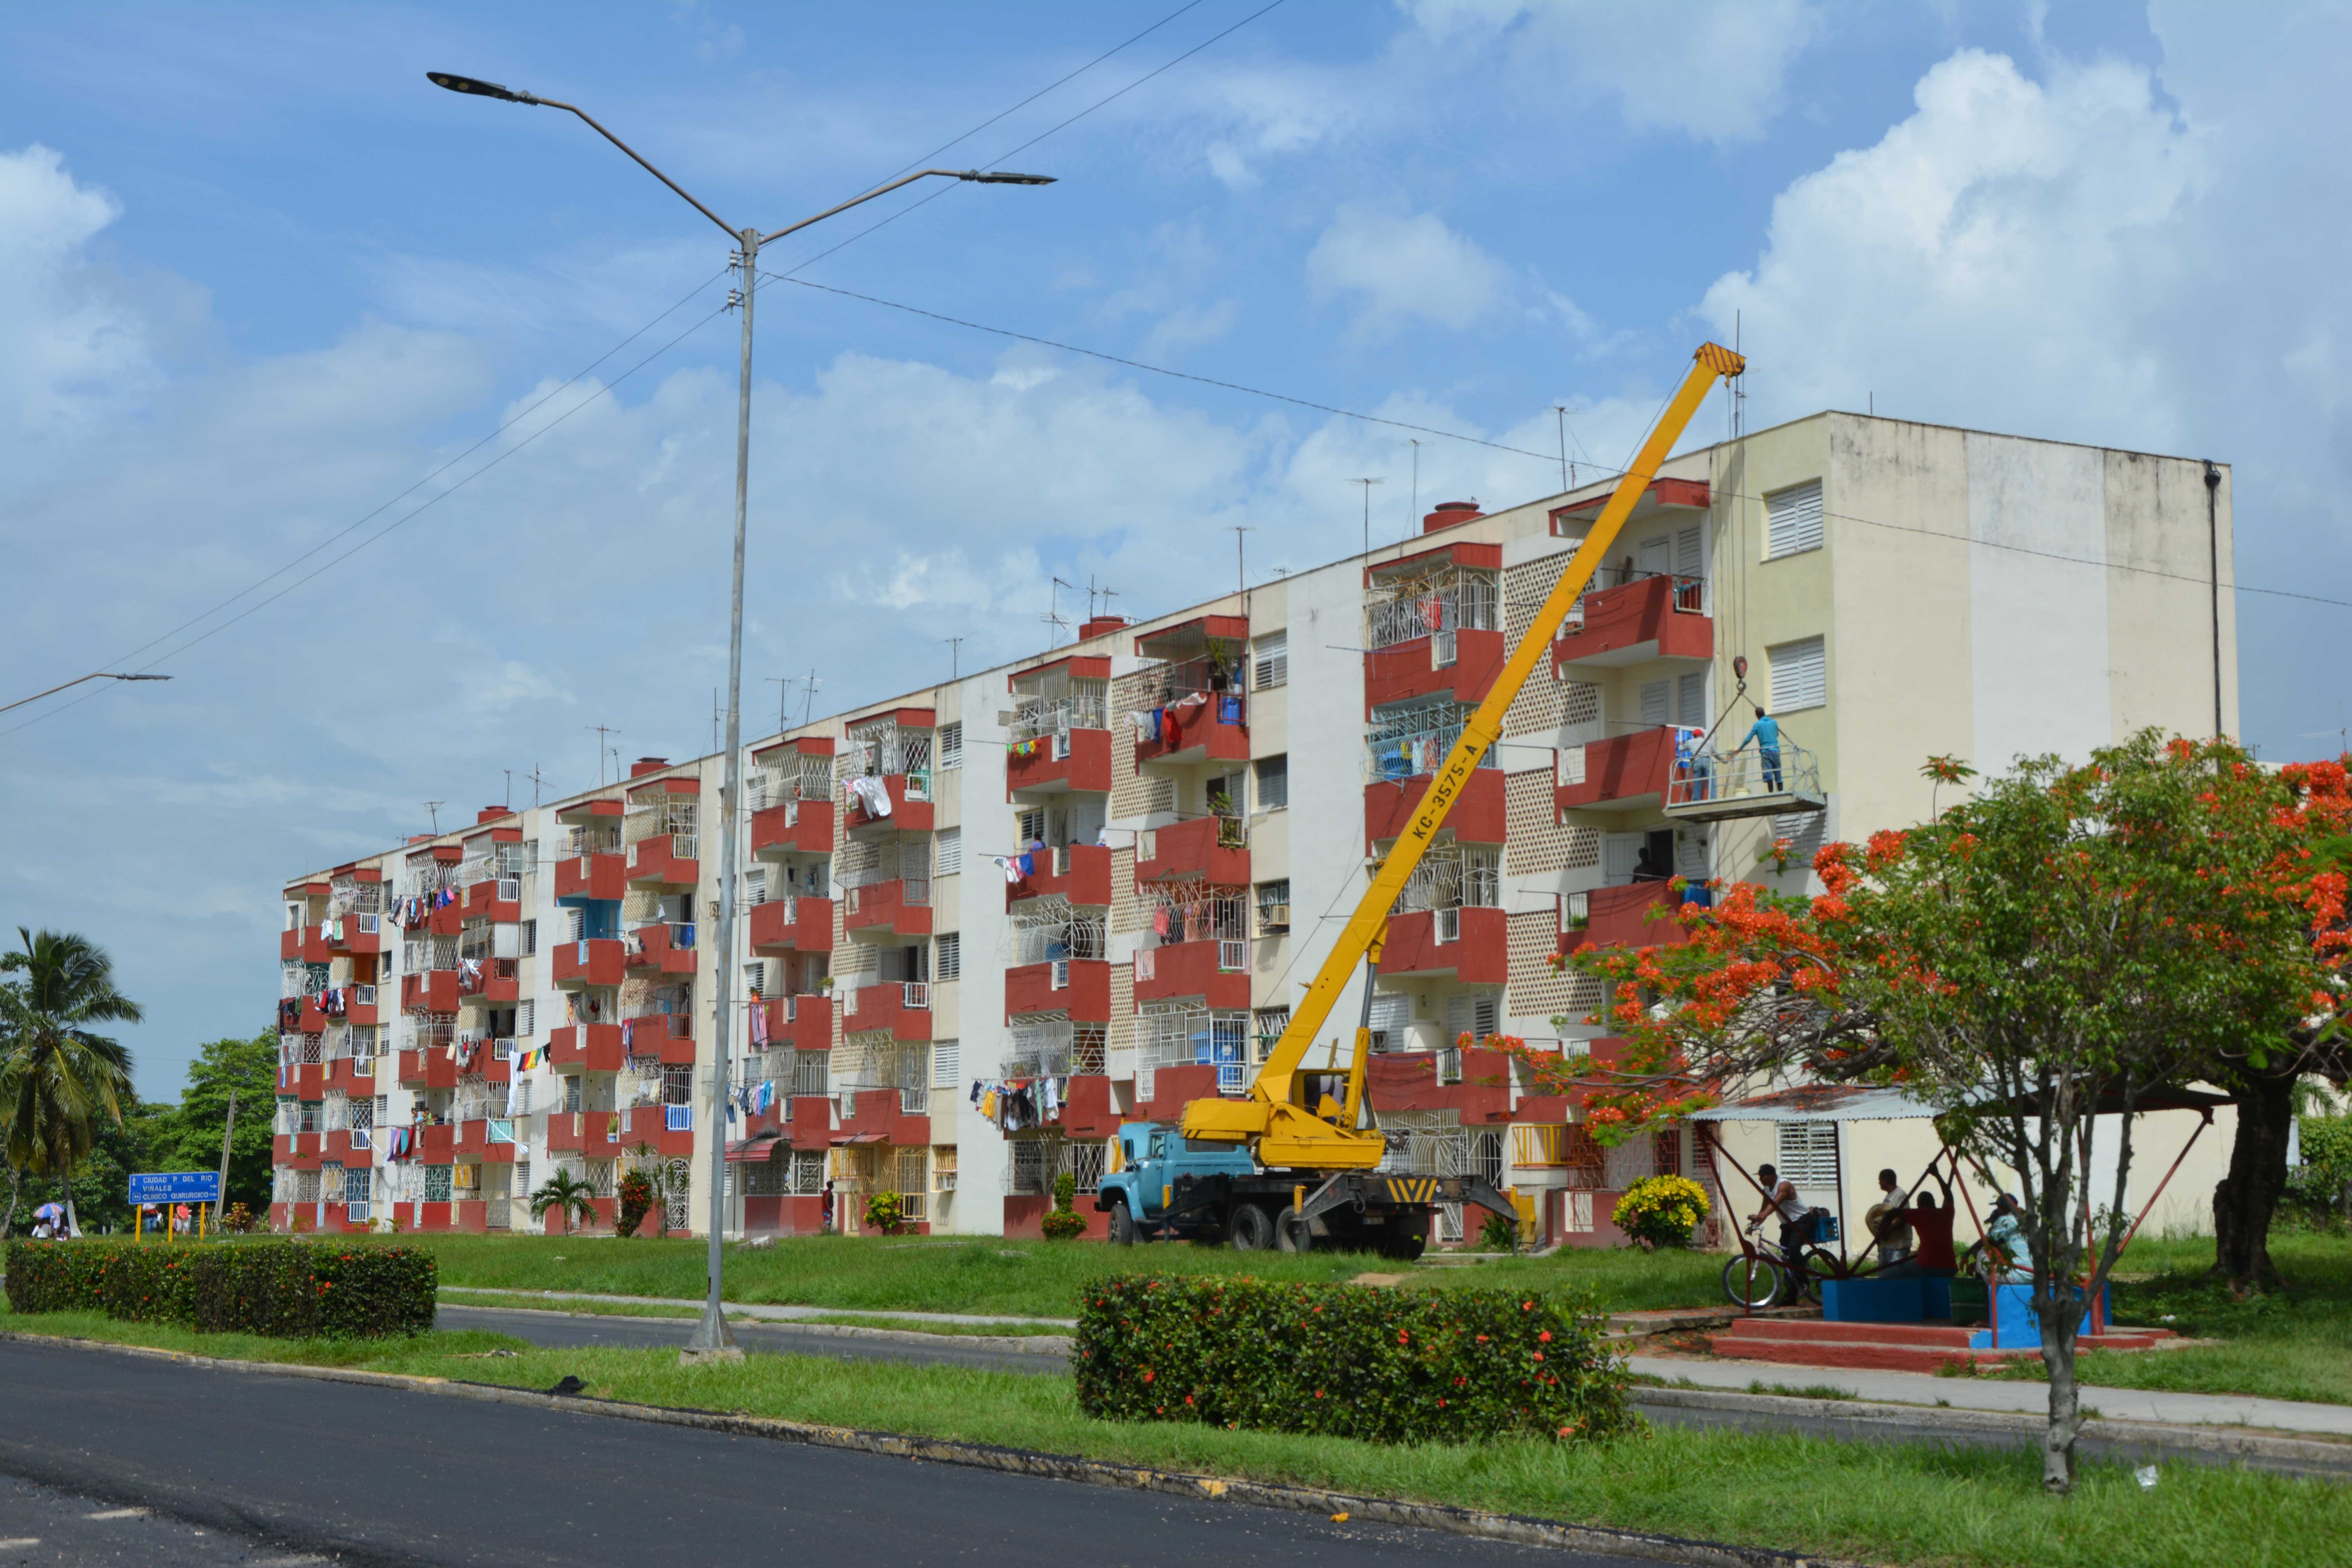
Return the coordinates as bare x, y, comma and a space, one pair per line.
1158, 1166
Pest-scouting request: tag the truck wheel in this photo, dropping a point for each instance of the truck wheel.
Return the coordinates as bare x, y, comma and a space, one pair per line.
1122, 1226
1292, 1234
1251, 1229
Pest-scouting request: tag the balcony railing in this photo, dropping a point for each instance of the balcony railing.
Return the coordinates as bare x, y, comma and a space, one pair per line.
1232, 956
917, 995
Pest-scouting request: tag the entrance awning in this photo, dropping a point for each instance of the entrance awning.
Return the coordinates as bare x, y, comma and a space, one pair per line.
753, 1149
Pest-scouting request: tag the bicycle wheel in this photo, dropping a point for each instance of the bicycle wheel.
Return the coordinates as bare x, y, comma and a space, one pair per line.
1805, 1277
1751, 1281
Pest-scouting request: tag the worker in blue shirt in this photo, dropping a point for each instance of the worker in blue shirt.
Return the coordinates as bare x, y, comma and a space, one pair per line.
1766, 733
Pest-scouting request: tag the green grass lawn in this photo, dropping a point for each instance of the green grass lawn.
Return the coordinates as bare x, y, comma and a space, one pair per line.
1912, 1503
2291, 1343
983, 1275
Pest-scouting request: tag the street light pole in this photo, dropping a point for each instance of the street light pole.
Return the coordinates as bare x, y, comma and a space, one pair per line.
77, 680
712, 1338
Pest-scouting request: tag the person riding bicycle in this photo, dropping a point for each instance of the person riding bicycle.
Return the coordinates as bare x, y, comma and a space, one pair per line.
1781, 1197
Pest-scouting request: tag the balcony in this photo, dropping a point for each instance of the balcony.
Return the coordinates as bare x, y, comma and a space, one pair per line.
589, 1133
801, 1023
1458, 664
351, 1075
601, 877
908, 798
668, 860
355, 933
880, 911
596, 961
486, 1141
489, 979
499, 899
792, 924
1203, 727
1078, 872
1623, 772
667, 1128
1090, 1109
1208, 849
1717, 786
878, 1116
1217, 971
1658, 616
794, 827
1478, 815
430, 1067
436, 1143
1621, 917
1171, 1088
669, 1035
1474, 1084
1058, 762
1468, 943
901, 1007
1079, 986
312, 941
660, 947
429, 991
347, 1148
584, 1047
302, 1150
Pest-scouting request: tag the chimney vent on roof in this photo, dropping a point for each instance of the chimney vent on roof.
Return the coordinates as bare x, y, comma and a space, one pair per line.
491, 814
1101, 625
1450, 513
647, 765
420, 838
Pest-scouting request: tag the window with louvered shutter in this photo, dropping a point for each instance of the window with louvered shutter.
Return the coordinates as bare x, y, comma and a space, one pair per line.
952, 745
1799, 675
951, 851
1272, 666
1792, 521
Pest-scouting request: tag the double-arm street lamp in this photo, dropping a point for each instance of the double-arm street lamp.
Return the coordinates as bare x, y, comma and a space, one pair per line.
713, 1335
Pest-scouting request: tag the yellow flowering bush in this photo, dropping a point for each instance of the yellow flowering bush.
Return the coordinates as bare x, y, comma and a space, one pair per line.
1661, 1211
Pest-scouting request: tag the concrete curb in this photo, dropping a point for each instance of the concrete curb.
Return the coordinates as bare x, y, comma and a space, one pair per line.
2308, 1453
1518, 1529
1018, 1344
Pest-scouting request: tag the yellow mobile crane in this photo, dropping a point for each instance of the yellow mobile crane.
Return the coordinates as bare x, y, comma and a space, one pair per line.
1306, 1173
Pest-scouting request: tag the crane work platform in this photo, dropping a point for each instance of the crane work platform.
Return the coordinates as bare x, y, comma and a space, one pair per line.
1720, 786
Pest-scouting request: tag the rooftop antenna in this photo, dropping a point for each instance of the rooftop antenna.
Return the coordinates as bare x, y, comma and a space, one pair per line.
535, 783
1739, 384
1368, 485
435, 807
1561, 409
714, 720
784, 685
808, 707
955, 654
1053, 616
603, 733
1240, 569
1415, 515
509, 796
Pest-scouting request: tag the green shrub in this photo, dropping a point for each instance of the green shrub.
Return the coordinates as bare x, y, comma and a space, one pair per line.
2321, 1184
285, 1289
636, 1194
1062, 1222
884, 1214
1345, 1360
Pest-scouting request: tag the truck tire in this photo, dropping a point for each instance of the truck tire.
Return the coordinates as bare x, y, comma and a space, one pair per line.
1406, 1237
1292, 1234
1122, 1226
1250, 1229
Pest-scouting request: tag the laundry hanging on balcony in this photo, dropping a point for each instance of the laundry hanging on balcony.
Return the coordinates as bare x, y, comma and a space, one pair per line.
759, 1025
1010, 867
872, 794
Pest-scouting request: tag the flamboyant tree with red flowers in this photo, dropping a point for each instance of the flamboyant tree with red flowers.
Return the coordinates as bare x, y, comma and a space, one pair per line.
2071, 940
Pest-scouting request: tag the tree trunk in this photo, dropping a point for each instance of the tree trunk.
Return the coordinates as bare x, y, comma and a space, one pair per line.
2246, 1198
16, 1186
2065, 1400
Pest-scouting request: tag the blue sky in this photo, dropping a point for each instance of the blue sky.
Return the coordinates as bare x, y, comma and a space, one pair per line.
258, 278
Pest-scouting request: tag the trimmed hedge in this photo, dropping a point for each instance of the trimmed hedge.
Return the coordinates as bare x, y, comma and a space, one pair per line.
285, 1289
1345, 1360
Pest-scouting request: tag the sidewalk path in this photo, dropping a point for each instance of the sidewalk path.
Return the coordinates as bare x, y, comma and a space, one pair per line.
2030, 1398
754, 1310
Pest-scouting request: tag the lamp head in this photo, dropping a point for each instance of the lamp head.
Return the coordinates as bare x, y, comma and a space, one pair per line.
985, 177
476, 86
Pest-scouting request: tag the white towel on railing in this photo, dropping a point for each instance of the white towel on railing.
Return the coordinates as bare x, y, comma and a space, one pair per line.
871, 793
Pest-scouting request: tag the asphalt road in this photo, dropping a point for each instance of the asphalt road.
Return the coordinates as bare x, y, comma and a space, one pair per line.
588, 1329
285, 1466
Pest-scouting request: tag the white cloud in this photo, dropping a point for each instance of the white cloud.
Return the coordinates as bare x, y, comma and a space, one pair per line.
69, 342
2005, 256
1403, 266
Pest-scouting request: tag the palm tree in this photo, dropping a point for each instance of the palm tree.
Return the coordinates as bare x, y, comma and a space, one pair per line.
567, 1193
57, 1077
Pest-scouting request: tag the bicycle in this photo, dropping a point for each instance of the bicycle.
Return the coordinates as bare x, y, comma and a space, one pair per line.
1763, 1275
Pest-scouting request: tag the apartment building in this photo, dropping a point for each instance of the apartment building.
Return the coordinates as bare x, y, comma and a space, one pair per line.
988, 921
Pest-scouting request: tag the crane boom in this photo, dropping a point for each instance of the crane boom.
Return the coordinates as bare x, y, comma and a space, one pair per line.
1271, 1112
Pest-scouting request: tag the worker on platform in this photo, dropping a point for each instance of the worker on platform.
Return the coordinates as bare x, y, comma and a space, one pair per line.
1766, 733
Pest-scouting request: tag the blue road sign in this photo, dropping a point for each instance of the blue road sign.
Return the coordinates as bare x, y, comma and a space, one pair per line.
175, 1187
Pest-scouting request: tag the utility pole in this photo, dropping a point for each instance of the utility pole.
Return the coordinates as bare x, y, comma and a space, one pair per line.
228, 1132
1368, 485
